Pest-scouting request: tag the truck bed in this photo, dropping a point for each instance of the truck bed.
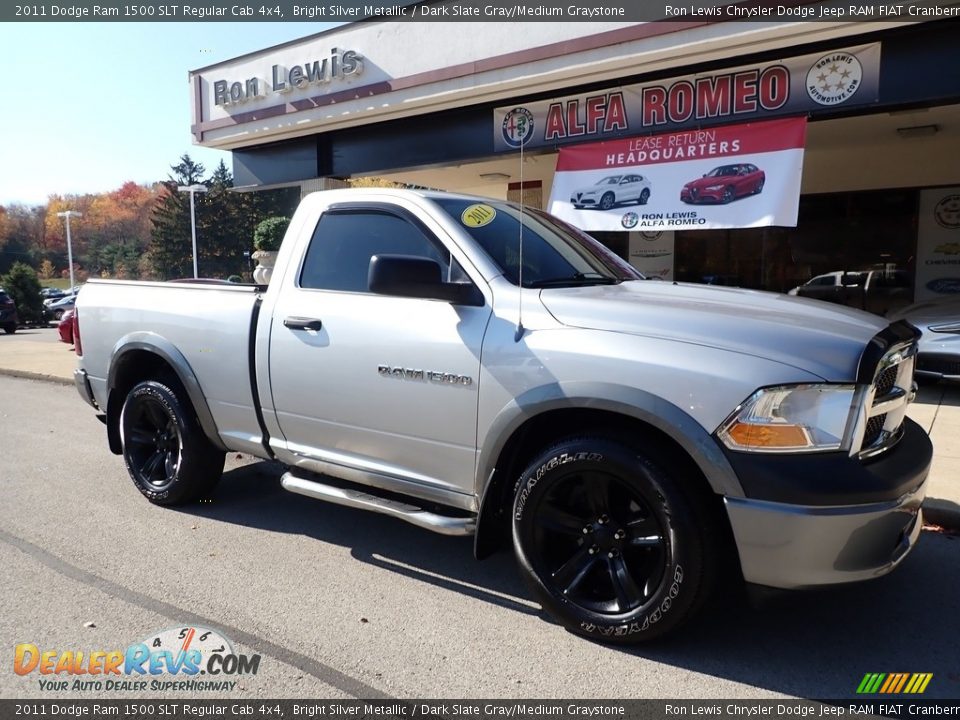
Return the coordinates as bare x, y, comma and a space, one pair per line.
209, 325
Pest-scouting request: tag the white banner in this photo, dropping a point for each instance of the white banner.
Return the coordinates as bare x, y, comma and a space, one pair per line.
938, 244
735, 176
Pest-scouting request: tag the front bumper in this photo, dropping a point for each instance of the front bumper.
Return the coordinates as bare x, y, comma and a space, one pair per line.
793, 544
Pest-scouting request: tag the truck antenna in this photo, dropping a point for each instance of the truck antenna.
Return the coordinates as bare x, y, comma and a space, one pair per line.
520, 330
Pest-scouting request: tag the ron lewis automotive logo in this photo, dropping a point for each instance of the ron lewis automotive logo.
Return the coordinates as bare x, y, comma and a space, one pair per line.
517, 127
834, 78
186, 658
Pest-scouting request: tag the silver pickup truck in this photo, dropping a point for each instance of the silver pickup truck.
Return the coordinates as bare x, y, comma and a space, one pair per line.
474, 368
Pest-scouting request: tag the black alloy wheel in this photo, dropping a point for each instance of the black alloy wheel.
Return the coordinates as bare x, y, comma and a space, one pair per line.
600, 542
152, 443
728, 194
167, 454
610, 542
644, 196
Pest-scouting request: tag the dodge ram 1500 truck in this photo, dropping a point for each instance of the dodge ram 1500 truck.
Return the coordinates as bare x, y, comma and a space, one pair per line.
473, 367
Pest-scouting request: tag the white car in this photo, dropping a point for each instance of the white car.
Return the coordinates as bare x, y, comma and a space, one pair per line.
938, 351
612, 190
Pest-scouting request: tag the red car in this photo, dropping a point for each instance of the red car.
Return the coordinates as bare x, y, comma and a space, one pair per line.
724, 184
65, 326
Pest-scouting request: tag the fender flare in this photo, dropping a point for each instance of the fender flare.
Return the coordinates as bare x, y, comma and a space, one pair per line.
158, 345
632, 402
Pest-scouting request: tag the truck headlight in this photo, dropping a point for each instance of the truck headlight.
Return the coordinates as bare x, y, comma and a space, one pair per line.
792, 418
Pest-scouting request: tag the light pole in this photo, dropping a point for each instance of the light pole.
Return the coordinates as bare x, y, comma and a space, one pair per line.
197, 188
68, 214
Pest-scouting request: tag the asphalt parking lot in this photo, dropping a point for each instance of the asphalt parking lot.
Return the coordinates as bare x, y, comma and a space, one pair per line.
342, 603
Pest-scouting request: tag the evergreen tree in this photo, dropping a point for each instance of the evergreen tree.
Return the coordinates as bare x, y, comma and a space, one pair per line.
171, 244
22, 285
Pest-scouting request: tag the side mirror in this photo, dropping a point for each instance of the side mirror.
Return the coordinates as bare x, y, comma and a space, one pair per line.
418, 277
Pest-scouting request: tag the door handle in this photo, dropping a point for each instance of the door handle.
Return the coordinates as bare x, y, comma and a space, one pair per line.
302, 323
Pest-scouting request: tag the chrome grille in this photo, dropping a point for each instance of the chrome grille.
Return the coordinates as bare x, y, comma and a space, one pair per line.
887, 380
881, 424
874, 428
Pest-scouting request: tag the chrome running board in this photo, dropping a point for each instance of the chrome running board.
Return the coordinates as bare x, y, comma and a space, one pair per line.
443, 524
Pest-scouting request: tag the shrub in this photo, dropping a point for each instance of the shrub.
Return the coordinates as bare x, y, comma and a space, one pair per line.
269, 233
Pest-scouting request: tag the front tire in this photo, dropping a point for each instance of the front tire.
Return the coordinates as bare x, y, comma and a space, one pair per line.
607, 201
10, 328
167, 454
610, 542
644, 196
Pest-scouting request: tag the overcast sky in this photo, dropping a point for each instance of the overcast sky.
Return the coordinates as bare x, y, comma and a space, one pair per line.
89, 106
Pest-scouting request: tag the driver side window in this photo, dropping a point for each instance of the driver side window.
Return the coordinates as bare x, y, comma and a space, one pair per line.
344, 241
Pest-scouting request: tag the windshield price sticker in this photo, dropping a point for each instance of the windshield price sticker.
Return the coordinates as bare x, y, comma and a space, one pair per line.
478, 215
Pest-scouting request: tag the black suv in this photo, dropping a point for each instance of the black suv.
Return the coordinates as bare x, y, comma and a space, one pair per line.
8, 313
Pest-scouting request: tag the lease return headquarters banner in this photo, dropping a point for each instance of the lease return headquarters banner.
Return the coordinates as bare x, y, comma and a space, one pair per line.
736, 176
780, 88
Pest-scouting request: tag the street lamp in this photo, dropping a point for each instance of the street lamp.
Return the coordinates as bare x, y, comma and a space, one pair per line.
68, 214
193, 218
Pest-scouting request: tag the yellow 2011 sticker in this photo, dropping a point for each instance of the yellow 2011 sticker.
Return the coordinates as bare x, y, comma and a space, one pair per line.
478, 215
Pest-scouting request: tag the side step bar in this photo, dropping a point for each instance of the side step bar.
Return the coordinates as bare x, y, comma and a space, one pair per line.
443, 524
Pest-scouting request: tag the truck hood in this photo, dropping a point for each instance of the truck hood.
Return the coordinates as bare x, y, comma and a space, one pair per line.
818, 337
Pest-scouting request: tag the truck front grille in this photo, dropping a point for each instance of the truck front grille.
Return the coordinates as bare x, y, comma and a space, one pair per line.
887, 398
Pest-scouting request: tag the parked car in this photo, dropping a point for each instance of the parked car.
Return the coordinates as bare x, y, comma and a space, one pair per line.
613, 190
938, 355
65, 326
51, 293
877, 291
724, 184
8, 313
56, 309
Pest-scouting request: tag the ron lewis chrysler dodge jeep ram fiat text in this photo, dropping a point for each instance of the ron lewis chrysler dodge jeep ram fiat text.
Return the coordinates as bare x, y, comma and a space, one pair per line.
627, 438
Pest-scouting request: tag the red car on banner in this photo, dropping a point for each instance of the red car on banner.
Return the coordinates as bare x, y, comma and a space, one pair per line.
724, 184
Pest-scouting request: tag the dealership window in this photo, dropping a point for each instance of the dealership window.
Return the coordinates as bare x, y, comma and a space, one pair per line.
875, 230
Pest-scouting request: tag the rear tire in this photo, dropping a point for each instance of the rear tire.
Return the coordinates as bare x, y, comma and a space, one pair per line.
167, 454
611, 541
10, 328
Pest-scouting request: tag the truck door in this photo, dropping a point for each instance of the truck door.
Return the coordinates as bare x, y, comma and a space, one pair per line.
373, 383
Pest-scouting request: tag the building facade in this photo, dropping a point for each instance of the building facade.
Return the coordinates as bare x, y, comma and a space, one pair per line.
449, 106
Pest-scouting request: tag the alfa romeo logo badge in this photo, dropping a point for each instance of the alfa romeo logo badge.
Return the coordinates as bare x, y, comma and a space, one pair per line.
517, 127
834, 78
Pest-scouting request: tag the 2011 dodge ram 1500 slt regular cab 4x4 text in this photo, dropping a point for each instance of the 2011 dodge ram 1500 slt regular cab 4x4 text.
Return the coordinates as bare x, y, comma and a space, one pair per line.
477, 368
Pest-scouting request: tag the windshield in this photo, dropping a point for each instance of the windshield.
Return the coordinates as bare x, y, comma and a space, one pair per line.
554, 253
722, 171
612, 180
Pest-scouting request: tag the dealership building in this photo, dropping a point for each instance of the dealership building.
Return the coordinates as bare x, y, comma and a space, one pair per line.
488, 108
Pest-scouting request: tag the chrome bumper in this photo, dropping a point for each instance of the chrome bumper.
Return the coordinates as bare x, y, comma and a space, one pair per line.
82, 382
794, 546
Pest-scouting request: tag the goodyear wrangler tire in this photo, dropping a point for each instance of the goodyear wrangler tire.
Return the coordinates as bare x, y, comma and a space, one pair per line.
610, 543
169, 458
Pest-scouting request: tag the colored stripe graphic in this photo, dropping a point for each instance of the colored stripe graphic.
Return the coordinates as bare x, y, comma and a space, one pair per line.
894, 683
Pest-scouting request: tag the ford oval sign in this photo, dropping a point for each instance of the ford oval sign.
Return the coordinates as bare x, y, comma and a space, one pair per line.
944, 285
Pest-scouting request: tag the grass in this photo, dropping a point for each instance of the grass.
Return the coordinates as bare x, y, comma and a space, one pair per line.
60, 283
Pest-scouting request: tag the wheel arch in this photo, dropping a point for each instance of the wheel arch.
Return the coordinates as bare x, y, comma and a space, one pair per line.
147, 356
539, 416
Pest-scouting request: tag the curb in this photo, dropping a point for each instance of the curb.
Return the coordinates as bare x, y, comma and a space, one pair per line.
27, 375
